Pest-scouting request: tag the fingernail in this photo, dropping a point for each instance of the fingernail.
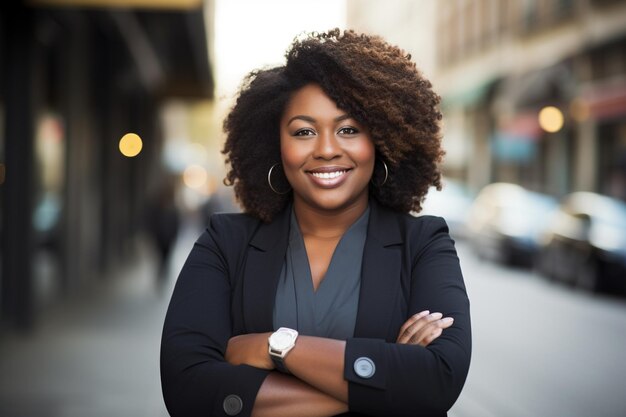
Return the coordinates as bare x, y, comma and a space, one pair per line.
420, 314
447, 320
436, 316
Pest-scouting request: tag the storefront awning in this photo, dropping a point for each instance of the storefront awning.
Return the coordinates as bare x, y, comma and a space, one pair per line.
607, 102
523, 125
516, 139
535, 88
469, 96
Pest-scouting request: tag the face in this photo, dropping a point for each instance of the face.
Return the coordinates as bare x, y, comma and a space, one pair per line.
328, 156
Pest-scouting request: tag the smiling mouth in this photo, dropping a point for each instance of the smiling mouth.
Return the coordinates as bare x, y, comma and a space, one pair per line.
329, 175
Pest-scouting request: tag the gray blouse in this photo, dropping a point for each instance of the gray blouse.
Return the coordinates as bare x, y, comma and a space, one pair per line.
331, 310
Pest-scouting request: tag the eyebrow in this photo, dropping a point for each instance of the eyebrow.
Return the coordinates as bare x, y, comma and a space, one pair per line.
312, 120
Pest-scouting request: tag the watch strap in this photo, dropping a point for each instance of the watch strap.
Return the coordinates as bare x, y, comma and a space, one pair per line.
278, 355
279, 363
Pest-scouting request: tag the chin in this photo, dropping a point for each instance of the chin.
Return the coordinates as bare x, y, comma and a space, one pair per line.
334, 203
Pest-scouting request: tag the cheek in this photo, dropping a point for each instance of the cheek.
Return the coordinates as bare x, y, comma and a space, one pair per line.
365, 154
291, 154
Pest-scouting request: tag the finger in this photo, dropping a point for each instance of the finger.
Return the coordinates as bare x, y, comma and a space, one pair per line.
432, 336
419, 336
414, 318
412, 325
446, 322
416, 325
415, 329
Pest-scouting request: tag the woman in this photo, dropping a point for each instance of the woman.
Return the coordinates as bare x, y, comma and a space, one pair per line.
326, 296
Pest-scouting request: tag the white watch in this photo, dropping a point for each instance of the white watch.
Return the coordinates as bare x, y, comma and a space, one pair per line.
280, 343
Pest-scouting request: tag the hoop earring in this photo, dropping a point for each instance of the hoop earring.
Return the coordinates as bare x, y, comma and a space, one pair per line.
269, 180
386, 175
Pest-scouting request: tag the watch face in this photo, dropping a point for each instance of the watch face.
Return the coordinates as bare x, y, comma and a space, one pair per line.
281, 340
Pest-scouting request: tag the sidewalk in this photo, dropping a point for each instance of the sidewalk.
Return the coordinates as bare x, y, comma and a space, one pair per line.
98, 356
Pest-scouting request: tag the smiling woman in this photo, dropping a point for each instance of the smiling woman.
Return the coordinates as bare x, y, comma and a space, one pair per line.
325, 297
327, 157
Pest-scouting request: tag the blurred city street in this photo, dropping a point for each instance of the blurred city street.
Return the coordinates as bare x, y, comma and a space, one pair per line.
97, 356
539, 348
112, 155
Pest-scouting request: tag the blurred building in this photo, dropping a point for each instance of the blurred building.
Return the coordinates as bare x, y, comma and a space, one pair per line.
498, 63
76, 76
409, 24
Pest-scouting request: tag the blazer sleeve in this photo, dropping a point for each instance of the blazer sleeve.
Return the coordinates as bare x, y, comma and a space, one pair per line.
195, 378
411, 380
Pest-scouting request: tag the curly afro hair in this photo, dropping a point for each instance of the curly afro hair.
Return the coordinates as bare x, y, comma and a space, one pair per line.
374, 82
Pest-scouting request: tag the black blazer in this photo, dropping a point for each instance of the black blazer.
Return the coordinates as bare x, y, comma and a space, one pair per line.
227, 287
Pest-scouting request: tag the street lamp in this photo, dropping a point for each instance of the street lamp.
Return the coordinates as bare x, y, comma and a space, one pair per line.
130, 145
551, 119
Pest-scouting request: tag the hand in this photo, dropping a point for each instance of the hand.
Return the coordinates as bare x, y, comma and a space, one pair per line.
249, 349
422, 328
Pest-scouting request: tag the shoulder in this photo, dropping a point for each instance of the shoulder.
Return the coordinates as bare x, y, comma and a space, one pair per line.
233, 222
234, 231
413, 227
227, 236
426, 225
227, 231
421, 232
428, 237
235, 228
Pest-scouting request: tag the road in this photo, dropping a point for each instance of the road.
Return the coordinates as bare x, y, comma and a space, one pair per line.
539, 348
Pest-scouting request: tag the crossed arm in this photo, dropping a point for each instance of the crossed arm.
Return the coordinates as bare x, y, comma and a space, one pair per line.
316, 387
198, 351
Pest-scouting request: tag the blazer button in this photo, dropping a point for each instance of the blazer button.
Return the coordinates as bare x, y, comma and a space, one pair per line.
364, 367
233, 405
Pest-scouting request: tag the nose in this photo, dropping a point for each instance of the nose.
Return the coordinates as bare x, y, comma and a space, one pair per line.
327, 146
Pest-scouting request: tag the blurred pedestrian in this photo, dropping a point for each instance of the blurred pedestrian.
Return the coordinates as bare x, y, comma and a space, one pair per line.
325, 297
163, 224
222, 200
617, 178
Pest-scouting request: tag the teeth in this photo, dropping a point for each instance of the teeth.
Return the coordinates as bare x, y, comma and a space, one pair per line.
328, 175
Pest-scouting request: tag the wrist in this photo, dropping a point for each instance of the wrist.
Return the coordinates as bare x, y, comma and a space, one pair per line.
280, 343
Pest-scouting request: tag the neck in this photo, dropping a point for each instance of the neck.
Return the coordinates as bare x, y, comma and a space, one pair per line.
327, 224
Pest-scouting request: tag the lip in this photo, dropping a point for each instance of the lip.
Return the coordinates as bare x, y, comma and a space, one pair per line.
332, 182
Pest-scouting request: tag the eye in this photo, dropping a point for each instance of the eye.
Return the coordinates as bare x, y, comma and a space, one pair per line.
348, 130
304, 132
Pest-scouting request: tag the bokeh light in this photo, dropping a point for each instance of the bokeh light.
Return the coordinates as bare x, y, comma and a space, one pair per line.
130, 145
579, 109
551, 119
195, 176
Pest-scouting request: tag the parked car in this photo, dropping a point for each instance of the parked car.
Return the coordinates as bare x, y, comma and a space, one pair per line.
452, 203
506, 222
585, 245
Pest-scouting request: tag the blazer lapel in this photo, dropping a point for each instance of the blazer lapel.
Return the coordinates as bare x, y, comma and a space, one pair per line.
266, 254
380, 273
